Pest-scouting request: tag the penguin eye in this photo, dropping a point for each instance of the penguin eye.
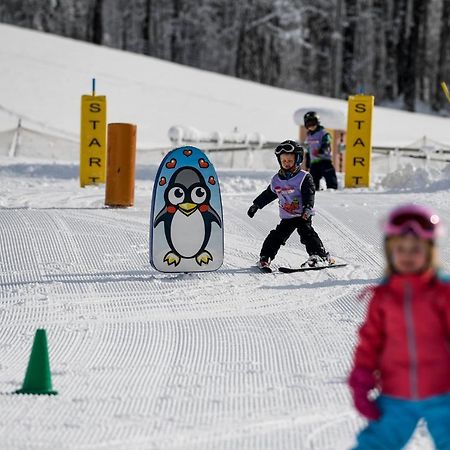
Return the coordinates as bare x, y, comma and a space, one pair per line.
176, 196
198, 195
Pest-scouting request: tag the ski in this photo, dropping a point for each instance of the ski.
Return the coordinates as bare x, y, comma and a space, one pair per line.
305, 269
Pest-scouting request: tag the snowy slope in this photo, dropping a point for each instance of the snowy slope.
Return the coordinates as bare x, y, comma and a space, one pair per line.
42, 78
228, 360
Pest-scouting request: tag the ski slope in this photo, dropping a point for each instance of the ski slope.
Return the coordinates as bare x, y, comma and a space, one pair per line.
233, 359
43, 77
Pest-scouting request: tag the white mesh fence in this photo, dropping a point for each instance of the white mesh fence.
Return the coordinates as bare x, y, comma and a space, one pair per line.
26, 142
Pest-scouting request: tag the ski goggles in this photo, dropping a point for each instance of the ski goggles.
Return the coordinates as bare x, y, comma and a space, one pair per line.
426, 227
284, 148
311, 123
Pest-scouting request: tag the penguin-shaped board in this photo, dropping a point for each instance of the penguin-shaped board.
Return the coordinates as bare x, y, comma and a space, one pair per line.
186, 222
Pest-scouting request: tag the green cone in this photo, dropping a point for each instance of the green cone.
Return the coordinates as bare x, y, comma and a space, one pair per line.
38, 379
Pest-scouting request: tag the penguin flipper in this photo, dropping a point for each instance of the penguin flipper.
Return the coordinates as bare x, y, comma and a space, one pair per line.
214, 216
160, 217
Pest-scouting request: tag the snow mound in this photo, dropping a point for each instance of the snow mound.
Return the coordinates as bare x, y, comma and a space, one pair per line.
241, 185
410, 177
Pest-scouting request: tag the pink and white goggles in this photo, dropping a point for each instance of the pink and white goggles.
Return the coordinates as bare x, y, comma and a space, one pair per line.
415, 219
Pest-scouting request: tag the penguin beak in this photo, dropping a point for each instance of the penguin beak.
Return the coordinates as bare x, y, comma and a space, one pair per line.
187, 208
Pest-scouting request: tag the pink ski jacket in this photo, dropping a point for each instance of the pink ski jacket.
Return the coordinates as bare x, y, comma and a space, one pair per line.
405, 339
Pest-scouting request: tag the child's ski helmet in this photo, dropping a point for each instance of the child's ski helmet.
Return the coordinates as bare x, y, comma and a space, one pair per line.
311, 117
290, 147
417, 219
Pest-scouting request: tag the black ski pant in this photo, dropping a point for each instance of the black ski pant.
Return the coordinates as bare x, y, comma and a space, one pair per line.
324, 168
282, 232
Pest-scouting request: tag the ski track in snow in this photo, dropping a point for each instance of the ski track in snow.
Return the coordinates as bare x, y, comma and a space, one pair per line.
233, 359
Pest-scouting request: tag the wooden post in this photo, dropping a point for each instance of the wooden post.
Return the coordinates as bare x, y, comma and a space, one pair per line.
121, 160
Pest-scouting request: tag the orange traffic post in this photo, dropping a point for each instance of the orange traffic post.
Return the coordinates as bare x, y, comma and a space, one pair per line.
120, 168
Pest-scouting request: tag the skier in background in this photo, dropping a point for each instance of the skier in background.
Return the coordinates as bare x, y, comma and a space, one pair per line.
403, 349
318, 141
295, 191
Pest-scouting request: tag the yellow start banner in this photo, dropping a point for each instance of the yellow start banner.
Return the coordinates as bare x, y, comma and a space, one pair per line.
359, 141
93, 140
445, 89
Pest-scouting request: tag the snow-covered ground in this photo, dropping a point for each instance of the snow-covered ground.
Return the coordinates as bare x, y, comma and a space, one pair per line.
228, 360
233, 359
43, 76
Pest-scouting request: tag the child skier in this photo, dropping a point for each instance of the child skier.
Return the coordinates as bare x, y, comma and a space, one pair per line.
295, 191
403, 347
318, 141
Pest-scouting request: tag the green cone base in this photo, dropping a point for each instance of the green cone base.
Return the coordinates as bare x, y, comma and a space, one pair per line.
26, 392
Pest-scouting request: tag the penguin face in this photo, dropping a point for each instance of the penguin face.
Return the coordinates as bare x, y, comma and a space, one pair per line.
187, 191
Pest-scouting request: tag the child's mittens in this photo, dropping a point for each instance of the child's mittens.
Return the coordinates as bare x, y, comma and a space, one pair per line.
307, 213
361, 381
252, 210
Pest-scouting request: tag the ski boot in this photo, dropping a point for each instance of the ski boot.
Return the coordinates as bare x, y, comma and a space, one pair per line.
264, 264
319, 261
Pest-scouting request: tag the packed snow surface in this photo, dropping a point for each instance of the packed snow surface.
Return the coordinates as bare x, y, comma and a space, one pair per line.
232, 359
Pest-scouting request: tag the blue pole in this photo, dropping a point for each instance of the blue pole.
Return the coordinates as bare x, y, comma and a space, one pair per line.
93, 87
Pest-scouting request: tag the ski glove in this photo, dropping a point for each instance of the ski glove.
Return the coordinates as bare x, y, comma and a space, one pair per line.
361, 381
307, 213
252, 210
